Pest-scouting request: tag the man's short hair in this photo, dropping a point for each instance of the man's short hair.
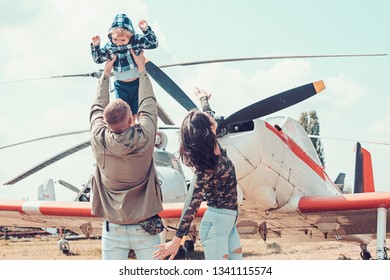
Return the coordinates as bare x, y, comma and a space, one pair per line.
116, 112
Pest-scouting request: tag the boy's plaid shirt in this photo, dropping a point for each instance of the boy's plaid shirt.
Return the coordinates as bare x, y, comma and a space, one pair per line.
124, 61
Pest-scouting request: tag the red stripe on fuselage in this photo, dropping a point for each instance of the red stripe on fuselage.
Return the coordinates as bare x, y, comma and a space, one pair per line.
297, 151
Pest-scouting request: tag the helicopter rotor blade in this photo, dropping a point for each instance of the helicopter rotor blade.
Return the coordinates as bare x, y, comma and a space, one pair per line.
163, 115
275, 103
25, 80
93, 75
348, 140
69, 186
49, 161
46, 137
97, 74
265, 58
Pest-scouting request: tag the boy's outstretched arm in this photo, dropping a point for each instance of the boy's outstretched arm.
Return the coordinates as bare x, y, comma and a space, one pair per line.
99, 55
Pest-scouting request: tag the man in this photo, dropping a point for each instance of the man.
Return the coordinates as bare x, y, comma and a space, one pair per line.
125, 185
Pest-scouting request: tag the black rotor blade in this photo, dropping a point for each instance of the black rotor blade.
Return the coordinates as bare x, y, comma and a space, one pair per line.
169, 86
275, 103
49, 161
265, 58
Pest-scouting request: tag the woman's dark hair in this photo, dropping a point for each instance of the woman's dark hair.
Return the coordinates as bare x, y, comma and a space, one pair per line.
197, 141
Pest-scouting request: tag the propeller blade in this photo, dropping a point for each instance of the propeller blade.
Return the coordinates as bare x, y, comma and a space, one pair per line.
45, 137
49, 161
264, 58
169, 85
275, 103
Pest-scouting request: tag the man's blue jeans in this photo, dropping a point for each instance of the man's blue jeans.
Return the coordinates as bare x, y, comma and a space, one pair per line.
119, 239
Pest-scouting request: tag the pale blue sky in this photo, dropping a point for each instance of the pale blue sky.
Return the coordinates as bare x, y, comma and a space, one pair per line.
46, 38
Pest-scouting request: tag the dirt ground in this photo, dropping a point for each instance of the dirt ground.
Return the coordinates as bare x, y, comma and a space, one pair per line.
46, 248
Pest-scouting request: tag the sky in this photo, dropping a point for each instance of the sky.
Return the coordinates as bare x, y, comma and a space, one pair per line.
46, 38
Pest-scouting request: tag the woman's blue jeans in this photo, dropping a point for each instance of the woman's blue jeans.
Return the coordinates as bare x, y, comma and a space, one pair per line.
218, 235
119, 239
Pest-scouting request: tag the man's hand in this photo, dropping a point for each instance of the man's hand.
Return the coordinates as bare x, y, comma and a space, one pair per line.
139, 60
96, 40
143, 25
108, 67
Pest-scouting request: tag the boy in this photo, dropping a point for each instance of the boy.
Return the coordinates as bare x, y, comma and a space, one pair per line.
122, 39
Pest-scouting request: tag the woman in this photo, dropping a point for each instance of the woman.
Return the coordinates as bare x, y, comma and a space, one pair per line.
215, 182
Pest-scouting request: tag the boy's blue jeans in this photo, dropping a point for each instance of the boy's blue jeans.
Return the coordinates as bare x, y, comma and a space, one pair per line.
119, 239
128, 91
218, 235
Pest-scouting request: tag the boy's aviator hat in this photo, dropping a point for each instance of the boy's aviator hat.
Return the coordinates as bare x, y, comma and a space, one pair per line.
121, 20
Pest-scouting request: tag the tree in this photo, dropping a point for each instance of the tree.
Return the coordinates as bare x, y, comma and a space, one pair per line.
309, 122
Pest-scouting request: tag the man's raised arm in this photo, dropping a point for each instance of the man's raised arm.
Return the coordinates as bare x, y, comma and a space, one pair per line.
147, 112
102, 97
